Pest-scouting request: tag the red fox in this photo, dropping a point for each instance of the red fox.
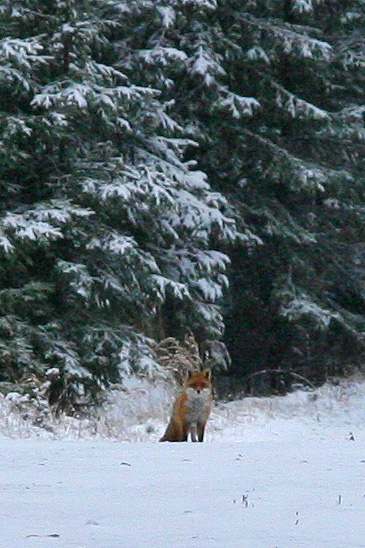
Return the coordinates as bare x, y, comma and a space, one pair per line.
191, 409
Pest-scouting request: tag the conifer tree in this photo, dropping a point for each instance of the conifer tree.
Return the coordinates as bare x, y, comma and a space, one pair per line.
273, 94
104, 226
302, 185
144, 142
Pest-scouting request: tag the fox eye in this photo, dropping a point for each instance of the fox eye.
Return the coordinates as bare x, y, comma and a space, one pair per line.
199, 386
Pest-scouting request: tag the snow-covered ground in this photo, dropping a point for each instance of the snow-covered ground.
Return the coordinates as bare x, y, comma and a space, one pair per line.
274, 473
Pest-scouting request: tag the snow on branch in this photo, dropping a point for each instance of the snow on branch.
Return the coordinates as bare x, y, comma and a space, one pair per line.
58, 211
16, 126
302, 6
14, 75
296, 107
201, 219
104, 71
41, 224
237, 105
137, 183
257, 53
303, 175
168, 16
212, 260
167, 122
194, 264
78, 277
211, 290
211, 314
199, 4
83, 95
21, 52
280, 223
64, 353
26, 228
207, 65
288, 40
74, 94
163, 285
5, 243
162, 55
137, 355
117, 244
299, 305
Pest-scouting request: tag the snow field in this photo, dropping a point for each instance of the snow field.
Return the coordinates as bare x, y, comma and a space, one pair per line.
103, 494
281, 472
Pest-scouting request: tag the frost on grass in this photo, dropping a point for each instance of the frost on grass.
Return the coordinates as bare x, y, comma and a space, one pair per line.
138, 412
132, 412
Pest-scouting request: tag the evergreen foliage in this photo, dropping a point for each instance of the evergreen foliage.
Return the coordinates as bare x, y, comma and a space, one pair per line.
103, 222
273, 94
145, 144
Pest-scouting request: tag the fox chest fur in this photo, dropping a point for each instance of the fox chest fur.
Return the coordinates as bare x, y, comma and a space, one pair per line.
198, 405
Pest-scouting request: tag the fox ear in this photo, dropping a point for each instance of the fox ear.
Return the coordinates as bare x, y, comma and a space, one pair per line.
207, 373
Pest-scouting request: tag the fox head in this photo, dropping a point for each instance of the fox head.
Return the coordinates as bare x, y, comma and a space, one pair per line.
199, 383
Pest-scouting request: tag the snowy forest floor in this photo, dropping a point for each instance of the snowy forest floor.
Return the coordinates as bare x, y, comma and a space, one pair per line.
280, 472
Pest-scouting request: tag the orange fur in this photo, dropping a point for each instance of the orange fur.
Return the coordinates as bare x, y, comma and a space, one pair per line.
191, 409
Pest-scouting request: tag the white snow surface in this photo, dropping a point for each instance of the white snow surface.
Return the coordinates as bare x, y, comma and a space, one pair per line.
279, 472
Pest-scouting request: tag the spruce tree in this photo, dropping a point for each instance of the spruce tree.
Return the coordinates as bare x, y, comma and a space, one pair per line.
273, 93
106, 230
143, 143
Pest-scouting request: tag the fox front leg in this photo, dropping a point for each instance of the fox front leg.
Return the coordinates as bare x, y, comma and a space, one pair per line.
201, 429
194, 431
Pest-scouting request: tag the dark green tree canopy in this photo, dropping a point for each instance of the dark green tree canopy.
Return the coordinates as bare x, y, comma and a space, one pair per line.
144, 146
